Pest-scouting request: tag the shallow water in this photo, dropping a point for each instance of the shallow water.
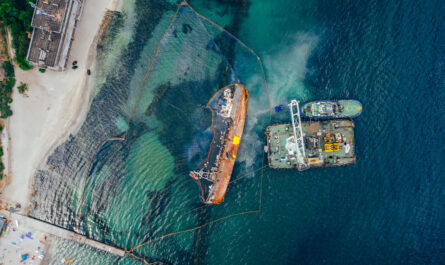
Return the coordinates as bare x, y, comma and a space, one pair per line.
386, 209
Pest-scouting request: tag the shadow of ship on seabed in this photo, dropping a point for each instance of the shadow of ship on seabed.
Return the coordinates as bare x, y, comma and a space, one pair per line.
101, 110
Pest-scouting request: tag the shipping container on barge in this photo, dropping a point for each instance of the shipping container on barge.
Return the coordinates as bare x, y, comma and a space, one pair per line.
229, 109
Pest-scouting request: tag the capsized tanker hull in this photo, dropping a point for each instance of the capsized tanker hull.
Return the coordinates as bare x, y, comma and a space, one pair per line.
331, 109
229, 109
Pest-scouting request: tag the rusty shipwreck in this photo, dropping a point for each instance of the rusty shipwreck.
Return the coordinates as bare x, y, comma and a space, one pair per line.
229, 109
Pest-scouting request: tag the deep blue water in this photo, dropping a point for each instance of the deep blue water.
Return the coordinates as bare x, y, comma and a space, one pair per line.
388, 208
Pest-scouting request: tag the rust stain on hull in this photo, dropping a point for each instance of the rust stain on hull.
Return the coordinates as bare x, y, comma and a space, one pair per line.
229, 110
227, 164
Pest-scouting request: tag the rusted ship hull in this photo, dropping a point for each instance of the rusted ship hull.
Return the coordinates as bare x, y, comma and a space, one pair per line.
231, 148
229, 109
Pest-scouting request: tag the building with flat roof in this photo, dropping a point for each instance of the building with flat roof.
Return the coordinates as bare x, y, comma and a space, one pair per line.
54, 22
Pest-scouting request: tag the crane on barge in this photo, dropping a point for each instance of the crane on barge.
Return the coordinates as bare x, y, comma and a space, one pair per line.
295, 144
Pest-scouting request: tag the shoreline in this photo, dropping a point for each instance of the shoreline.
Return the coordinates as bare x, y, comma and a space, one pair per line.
55, 107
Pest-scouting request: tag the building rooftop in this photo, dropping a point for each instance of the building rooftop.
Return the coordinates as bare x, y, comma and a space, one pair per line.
49, 15
45, 46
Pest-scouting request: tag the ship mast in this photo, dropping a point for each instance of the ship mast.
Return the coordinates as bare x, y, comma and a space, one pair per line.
298, 135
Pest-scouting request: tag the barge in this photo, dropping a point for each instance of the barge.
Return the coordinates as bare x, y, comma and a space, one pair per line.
307, 144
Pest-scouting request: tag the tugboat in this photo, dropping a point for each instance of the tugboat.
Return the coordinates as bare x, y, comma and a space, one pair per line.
331, 109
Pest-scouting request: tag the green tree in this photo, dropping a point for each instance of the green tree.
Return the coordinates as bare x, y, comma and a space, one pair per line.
23, 87
17, 15
5, 97
9, 69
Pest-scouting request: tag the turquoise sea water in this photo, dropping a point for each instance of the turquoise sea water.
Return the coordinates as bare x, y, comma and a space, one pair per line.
386, 209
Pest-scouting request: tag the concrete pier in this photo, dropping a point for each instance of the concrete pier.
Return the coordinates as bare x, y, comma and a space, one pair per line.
63, 233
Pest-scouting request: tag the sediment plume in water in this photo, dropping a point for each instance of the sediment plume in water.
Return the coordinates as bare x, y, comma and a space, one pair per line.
123, 177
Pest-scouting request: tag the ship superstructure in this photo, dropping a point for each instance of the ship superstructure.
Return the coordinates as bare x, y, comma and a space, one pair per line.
331, 109
229, 109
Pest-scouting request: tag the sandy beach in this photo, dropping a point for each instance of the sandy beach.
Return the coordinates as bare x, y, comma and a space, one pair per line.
19, 241
55, 106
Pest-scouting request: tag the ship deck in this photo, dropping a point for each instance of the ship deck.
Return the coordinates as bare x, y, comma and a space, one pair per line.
327, 143
351, 108
345, 108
